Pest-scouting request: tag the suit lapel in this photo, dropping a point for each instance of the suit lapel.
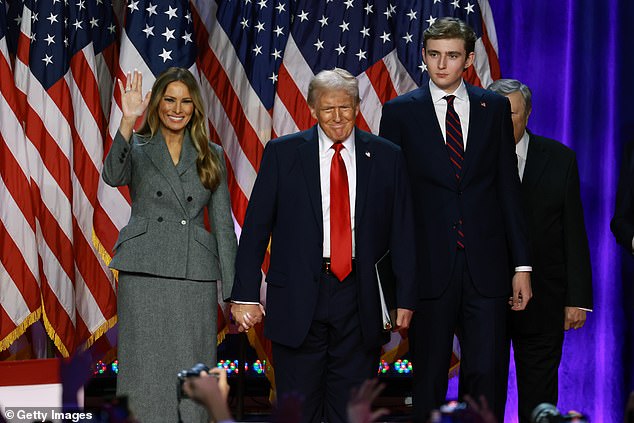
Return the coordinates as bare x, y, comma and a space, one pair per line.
157, 151
363, 158
536, 160
477, 110
424, 111
188, 155
308, 153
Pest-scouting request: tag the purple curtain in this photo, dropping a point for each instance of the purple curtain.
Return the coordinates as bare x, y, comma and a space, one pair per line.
576, 55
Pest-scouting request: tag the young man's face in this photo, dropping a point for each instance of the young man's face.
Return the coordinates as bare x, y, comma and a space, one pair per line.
446, 60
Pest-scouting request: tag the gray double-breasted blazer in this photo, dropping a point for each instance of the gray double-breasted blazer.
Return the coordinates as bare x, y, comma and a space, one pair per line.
165, 235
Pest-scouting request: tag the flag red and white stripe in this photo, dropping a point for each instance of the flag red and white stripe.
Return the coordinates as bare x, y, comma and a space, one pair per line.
64, 126
19, 274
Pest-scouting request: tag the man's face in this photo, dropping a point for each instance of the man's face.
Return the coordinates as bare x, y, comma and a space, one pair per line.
518, 114
446, 60
335, 111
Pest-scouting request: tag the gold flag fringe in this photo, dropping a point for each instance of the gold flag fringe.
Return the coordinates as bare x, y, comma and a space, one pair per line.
20, 329
103, 253
221, 335
53, 335
109, 324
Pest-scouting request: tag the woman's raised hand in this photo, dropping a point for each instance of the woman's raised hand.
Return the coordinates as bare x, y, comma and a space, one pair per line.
133, 103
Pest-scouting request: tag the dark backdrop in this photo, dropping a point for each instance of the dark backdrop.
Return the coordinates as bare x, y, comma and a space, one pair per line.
576, 55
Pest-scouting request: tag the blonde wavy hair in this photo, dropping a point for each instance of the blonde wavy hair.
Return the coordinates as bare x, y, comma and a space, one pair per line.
208, 164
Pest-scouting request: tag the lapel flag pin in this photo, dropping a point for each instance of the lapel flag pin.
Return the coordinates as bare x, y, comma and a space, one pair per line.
367, 153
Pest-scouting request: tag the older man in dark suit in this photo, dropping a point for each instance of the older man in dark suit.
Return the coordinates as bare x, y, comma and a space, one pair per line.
458, 145
333, 200
562, 275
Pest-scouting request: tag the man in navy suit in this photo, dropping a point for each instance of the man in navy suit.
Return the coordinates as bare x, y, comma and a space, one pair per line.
333, 200
473, 251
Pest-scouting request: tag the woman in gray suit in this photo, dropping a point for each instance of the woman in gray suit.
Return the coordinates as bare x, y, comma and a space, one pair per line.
168, 262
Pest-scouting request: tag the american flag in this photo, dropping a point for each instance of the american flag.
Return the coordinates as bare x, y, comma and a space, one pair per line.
20, 304
62, 77
254, 60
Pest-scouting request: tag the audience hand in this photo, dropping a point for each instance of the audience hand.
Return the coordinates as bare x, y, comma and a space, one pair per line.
211, 391
360, 404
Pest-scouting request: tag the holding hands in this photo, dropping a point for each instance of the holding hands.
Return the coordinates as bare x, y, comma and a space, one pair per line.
247, 315
133, 103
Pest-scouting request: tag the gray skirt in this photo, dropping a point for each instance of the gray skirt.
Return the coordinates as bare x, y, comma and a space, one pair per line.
165, 325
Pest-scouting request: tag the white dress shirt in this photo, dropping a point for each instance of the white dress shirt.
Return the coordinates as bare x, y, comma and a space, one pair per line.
326, 152
521, 149
460, 104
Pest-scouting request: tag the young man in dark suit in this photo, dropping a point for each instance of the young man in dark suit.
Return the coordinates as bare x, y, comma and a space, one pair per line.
562, 274
473, 250
333, 200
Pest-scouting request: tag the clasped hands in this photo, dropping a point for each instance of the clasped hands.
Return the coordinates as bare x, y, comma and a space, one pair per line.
247, 315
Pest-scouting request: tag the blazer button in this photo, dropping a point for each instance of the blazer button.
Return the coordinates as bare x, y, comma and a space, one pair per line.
120, 160
190, 198
160, 219
183, 222
159, 193
125, 149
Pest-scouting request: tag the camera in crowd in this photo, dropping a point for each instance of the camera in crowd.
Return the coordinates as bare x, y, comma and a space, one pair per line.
548, 413
183, 375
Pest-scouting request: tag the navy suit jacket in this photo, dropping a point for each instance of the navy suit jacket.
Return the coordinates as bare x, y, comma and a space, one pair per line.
285, 206
486, 198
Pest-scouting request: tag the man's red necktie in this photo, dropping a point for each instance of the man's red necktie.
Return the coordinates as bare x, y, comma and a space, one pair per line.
340, 228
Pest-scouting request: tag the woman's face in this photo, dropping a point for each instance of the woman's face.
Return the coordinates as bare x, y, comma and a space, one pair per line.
176, 107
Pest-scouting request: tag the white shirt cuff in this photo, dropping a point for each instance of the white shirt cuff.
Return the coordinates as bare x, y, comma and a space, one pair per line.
524, 269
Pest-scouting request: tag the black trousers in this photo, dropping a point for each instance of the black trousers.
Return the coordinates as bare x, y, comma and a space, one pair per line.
480, 323
331, 360
537, 357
